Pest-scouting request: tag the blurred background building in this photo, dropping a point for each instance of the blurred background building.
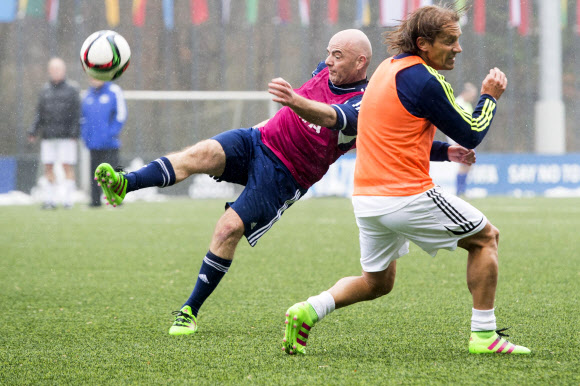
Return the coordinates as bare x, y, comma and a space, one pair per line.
239, 45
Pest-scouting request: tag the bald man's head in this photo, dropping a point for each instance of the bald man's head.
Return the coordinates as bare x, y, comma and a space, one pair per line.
56, 70
349, 55
356, 40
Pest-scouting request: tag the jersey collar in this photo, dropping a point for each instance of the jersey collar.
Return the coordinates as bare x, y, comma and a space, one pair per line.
361, 85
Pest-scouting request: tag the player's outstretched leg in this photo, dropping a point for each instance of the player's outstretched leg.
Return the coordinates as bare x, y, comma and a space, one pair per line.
114, 184
493, 342
185, 322
300, 319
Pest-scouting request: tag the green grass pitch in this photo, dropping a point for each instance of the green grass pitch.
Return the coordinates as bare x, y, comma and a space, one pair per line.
86, 298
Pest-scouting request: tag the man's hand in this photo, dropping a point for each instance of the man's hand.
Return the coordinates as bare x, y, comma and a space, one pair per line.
282, 91
494, 83
460, 154
318, 113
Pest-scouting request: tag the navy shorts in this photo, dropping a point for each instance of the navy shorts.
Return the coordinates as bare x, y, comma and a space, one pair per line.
269, 190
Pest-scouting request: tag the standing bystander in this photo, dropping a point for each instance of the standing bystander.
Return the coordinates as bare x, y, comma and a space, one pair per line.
57, 123
104, 113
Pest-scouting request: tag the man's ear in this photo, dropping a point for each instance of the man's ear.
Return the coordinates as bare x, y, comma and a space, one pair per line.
423, 44
361, 61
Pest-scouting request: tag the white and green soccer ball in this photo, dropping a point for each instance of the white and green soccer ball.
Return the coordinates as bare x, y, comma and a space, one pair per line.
105, 55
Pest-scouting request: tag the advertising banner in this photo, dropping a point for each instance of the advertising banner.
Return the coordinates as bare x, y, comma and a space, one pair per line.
492, 174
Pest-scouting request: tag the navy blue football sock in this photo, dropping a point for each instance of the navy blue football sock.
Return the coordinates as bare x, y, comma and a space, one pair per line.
211, 272
157, 173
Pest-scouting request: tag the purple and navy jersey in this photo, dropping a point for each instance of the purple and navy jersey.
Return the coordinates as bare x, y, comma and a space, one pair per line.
307, 149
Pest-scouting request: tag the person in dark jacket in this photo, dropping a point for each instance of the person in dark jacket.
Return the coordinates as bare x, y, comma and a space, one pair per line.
104, 113
57, 124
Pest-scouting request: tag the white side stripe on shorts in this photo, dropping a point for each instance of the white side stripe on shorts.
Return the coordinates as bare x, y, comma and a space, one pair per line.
253, 239
453, 214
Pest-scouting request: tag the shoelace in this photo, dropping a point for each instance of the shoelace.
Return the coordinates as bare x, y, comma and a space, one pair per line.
500, 332
179, 314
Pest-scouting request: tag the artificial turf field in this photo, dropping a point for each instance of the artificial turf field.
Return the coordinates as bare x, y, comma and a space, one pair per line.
86, 298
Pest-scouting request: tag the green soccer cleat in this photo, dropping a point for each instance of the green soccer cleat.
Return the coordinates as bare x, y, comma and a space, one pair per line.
113, 183
185, 323
493, 342
300, 319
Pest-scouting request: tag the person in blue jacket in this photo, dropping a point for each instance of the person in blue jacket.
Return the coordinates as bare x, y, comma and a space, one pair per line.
104, 113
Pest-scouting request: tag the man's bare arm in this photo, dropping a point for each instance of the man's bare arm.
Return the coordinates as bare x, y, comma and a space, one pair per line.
261, 124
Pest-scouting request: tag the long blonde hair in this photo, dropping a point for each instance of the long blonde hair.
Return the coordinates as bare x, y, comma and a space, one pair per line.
426, 22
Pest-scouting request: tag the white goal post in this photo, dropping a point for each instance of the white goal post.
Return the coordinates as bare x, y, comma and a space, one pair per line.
203, 96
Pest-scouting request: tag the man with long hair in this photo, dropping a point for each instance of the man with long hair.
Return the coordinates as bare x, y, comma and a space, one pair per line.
395, 201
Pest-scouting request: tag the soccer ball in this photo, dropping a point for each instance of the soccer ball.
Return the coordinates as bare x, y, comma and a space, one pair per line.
105, 55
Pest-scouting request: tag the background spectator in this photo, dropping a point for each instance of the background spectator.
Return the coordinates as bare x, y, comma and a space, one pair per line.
104, 113
57, 123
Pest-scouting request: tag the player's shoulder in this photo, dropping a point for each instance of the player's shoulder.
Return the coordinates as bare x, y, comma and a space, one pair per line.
419, 78
355, 100
321, 66
416, 73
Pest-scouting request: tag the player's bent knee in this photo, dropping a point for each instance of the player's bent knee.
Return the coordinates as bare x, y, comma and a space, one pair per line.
383, 289
229, 229
491, 235
488, 237
228, 232
380, 289
496, 234
380, 284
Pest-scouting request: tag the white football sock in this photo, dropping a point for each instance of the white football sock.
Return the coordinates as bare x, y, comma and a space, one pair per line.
49, 193
323, 304
69, 192
483, 320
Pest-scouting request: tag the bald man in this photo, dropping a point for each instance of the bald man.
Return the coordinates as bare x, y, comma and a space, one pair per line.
57, 123
276, 160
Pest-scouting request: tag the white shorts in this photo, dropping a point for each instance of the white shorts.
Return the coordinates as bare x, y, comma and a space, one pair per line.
434, 220
60, 150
